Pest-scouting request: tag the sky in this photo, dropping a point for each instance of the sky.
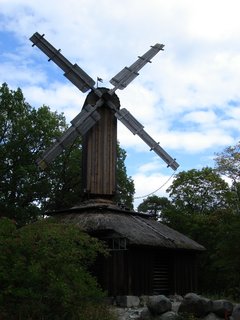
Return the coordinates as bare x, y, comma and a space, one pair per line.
188, 98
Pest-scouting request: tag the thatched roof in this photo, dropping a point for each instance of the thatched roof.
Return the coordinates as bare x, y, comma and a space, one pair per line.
139, 229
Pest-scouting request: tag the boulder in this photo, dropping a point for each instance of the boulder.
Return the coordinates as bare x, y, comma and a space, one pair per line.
143, 300
175, 298
196, 305
170, 315
146, 314
175, 306
127, 301
128, 313
212, 316
222, 308
159, 304
236, 312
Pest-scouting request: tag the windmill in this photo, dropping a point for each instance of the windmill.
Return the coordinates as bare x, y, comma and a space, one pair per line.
97, 122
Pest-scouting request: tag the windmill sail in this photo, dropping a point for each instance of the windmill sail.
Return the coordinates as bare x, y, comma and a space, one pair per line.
80, 125
137, 128
128, 74
72, 72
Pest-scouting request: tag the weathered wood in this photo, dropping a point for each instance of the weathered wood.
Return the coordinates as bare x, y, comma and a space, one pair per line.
100, 151
134, 272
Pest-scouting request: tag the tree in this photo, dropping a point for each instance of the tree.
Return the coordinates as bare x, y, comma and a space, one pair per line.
44, 272
228, 164
125, 184
198, 197
154, 205
26, 191
24, 132
227, 256
199, 191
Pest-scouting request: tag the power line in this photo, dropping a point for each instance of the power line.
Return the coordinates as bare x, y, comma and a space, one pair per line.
147, 195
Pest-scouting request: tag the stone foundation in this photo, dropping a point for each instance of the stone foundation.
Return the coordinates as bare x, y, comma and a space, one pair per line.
174, 308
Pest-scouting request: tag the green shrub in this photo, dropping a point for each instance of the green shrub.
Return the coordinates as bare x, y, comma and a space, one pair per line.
44, 273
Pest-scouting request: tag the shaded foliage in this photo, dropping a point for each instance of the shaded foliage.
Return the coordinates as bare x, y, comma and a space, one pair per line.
125, 184
199, 191
44, 273
155, 205
228, 164
24, 132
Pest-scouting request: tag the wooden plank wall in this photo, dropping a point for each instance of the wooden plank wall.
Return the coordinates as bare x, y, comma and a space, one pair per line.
100, 153
185, 272
113, 274
140, 271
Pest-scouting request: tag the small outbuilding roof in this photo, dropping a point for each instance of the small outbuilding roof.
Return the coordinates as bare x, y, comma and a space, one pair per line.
138, 229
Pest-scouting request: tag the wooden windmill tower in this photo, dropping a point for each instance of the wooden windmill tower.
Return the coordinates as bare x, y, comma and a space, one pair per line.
97, 122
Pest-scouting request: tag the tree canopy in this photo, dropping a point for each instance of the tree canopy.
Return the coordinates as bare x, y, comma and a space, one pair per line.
154, 205
44, 272
199, 191
228, 164
125, 184
26, 191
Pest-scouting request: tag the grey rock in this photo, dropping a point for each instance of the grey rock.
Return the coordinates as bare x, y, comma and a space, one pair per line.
159, 304
170, 315
127, 301
120, 313
212, 316
146, 314
175, 298
134, 315
127, 313
196, 305
143, 300
236, 312
175, 306
222, 308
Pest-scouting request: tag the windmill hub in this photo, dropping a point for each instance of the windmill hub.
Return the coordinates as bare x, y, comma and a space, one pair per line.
108, 98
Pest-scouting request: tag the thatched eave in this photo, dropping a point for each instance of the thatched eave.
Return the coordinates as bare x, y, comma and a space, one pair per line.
137, 228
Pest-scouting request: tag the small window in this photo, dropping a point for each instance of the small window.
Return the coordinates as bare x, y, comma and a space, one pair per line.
118, 244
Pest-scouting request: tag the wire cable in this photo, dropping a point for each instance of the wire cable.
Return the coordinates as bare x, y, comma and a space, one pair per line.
147, 195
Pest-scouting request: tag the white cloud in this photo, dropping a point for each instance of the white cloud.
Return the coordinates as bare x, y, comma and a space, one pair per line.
203, 118
64, 98
193, 142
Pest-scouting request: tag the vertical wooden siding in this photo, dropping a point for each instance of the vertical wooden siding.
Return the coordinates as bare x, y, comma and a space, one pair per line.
185, 272
113, 274
100, 153
141, 271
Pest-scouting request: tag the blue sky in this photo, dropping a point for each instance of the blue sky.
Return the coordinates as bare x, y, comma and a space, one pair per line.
188, 98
